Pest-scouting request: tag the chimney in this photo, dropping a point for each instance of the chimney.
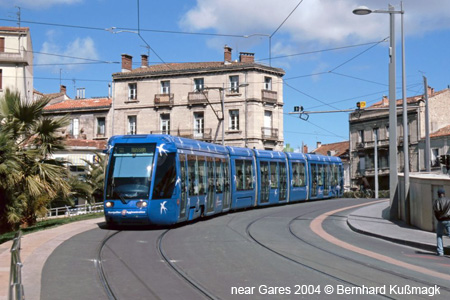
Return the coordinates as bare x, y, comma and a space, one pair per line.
127, 61
246, 57
385, 101
305, 148
318, 145
62, 89
430, 91
227, 54
144, 60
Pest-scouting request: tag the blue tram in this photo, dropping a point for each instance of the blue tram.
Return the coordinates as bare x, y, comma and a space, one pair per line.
163, 180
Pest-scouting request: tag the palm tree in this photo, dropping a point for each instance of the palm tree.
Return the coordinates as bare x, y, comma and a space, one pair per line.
29, 177
96, 177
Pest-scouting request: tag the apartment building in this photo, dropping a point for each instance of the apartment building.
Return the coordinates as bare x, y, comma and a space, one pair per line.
16, 61
87, 131
366, 125
238, 103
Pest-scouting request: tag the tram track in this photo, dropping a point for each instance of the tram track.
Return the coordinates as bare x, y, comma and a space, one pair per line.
346, 258
197, 286
248, 230
103, 276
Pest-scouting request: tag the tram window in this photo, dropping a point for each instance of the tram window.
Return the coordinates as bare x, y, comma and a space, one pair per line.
202, 175
320, 175
193, 175
248, 175
273, 175
165, 177
219, 175
298, 172
244, 175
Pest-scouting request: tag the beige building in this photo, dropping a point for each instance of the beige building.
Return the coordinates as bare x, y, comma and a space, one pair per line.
365, 123
16, 61
243, 99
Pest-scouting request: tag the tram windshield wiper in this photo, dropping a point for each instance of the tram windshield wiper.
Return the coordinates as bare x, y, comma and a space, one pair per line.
122, 199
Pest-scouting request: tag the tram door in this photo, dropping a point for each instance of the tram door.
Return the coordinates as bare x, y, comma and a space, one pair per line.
211, 181
314, 182
226, 186
283, 181
183, 186
265, 181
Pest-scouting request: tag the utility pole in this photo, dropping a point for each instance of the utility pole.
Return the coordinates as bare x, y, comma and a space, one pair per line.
427, 127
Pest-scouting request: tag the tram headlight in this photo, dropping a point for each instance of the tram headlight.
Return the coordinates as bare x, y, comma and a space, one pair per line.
109, 204
141, 204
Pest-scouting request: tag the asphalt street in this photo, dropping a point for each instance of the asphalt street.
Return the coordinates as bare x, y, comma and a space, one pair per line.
270, 253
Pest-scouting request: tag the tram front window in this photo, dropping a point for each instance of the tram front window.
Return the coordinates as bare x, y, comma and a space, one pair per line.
130, 172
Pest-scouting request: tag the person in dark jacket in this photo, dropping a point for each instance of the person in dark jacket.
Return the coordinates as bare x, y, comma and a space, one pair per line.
441, 209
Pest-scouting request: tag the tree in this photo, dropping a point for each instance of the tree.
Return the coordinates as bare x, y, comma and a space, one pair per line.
29, 177
96, 177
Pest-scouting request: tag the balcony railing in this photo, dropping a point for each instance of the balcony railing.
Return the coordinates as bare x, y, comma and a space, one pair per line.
198, 97
14, 57
206, 135
268, 133
269, 96
164, 99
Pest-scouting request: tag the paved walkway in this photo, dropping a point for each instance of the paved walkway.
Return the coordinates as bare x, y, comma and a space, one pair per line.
37, 247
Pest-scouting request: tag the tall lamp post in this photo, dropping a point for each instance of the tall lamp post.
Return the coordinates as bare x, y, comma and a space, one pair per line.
393, 171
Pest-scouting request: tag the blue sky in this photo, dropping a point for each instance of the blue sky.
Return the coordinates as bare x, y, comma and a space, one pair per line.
332, 57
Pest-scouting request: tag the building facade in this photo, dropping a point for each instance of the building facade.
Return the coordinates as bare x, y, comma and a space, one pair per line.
368, 125
16, 61
87, 131
239, 103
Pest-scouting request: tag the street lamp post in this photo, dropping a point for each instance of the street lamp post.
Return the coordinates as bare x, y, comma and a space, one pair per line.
393, 171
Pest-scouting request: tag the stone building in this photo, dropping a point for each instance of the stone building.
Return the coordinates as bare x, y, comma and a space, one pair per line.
16, 61
365, 123
243, 99
87, 131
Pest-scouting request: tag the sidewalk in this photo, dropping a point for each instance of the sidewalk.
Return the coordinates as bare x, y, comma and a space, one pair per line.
369, 220
35, 249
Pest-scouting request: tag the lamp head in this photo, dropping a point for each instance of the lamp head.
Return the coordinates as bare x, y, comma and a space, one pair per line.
362, 10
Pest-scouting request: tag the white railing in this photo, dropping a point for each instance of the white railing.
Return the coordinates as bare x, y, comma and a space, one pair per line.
80, 209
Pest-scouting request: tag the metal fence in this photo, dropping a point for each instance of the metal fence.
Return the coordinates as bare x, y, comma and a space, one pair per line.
15, 276
80, 209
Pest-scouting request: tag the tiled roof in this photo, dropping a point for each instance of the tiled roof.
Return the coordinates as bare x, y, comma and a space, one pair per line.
409, 100
80, 104
97, 144
7, 28
194, 66
444, 131
339, 148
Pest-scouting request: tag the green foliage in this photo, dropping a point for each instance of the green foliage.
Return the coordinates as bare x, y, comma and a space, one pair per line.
29, 179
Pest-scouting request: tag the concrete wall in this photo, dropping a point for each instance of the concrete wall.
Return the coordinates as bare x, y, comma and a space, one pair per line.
418, 211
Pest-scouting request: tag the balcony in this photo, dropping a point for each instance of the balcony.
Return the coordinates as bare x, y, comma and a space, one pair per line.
206, 135
10, 57
269, 134
268, 96
198, 97
163, 100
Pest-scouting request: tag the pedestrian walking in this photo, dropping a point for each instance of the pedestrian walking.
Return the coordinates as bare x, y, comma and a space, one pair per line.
441, 208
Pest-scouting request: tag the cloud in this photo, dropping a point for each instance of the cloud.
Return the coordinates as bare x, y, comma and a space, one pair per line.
55, 56
319, 22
